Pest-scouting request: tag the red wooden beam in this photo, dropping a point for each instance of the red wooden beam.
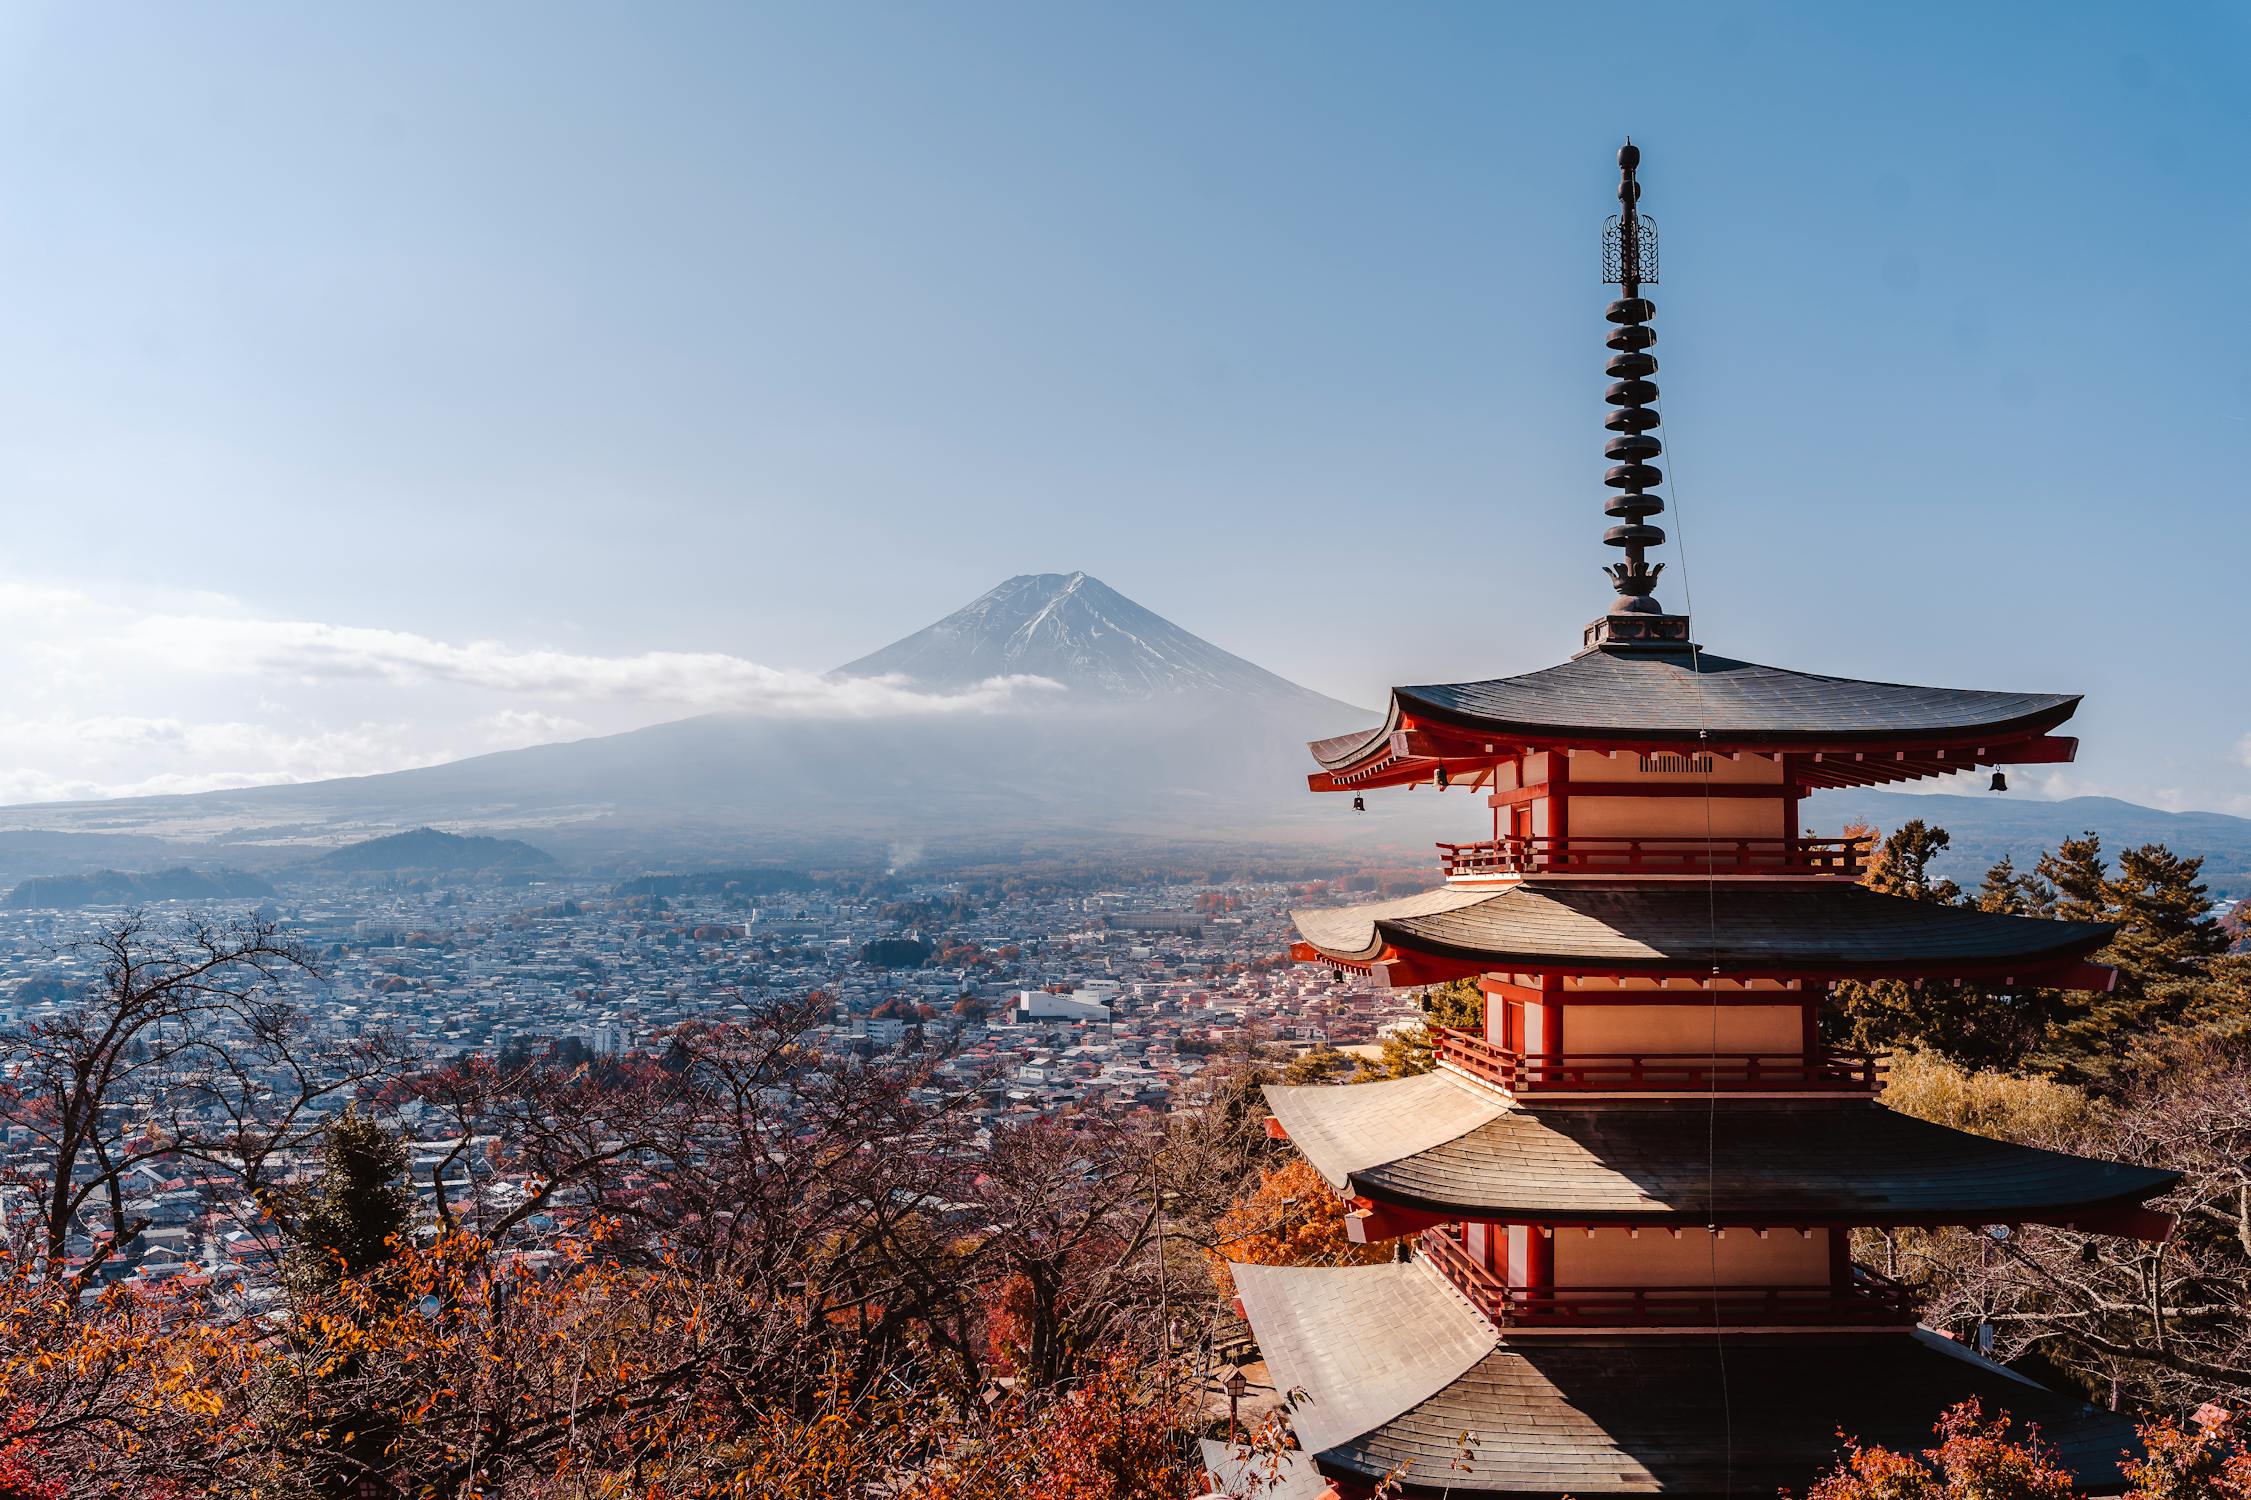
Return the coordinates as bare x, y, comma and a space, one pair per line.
1370, 1222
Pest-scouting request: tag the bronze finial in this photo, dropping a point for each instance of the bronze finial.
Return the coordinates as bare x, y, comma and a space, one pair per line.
1629, 259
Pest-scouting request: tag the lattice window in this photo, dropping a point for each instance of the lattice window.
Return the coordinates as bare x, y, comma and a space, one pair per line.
1668, 764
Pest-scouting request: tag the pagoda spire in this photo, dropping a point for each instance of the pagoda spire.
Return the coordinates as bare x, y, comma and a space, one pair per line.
1629, 259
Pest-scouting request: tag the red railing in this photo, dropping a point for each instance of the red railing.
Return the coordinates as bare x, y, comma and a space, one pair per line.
1824, 1072
1870, 1300
1541, 855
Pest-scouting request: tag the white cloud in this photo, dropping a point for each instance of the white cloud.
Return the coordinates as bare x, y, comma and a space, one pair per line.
194, 692
703, 680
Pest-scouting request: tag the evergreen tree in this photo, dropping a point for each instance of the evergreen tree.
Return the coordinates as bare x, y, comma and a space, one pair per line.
1317, 1064
2167, 932
1458, 1003
2075, 884
352, 1222
1965, 1023
2011, 892
360, 1205
1902, 865
2164, 950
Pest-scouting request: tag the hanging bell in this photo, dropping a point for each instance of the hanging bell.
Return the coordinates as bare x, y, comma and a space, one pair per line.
1359, 804
1442, 783
2000, 782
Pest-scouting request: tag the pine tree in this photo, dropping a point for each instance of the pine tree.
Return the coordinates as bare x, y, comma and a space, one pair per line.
1458, 1003
1964, 1023
2164, 948
2011, 892
360, 1205
353, 1221
1902, 865
2166, 930
2076, 883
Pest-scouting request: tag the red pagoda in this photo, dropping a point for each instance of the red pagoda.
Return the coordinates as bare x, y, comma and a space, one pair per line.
1624, 1205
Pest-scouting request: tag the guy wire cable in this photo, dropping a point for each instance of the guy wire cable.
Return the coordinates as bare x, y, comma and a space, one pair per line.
1711, 921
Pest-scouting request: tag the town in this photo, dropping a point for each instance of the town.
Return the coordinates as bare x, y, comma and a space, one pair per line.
1033, 1004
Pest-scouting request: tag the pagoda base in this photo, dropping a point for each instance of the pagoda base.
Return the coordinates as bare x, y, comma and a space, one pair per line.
1403, 1381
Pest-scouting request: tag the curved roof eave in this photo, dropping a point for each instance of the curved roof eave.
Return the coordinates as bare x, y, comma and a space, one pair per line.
1644, 697
1623, 927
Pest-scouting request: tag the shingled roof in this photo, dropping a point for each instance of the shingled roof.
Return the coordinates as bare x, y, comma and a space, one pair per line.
1445, 1145
1605, 926
1407, 1381
1679, 694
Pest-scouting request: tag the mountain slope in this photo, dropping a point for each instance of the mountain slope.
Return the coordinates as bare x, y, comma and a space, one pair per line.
1074, 629
1160, 734
1983, 828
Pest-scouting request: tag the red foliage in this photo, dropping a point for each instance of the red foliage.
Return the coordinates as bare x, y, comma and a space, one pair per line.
1974, 1459
2207, 1462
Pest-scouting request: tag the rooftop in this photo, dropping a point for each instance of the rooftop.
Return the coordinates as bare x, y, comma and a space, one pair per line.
1694, 928
1443, 1145
1401, 1377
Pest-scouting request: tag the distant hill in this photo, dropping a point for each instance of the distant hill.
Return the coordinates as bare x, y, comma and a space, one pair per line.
1983, 828
124, 888
431, 850
27, 852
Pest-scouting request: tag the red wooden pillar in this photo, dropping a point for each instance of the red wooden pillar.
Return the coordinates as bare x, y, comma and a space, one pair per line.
1551, 1009
1539, 1258
1559, 800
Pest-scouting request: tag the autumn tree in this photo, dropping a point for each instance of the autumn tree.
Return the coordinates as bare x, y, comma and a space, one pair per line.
190, 1049
1975, 1458
1294, 1219
2164, 1324
2206, 1459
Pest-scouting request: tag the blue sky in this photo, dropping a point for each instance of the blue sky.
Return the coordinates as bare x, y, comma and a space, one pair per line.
379, 384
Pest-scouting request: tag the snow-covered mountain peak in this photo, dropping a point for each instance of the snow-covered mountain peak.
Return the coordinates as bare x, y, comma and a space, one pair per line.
1077, 630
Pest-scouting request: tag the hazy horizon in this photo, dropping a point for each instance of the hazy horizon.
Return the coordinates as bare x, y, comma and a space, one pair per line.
383, 388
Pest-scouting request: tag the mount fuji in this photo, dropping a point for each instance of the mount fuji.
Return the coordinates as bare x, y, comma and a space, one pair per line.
1132, 727
1074, 629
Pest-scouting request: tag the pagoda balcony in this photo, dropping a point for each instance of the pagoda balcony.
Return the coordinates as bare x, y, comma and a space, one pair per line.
1870, 1300
1823, 1072
1846, 858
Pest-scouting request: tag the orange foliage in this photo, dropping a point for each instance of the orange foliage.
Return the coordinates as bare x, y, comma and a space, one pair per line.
2207, 1462
1975, 1459
1113, 1436
1294, 1219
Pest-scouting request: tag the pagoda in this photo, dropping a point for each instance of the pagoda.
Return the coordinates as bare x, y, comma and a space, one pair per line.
1623, 1207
